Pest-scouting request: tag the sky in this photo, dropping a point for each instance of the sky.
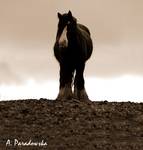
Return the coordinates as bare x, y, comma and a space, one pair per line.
27, 35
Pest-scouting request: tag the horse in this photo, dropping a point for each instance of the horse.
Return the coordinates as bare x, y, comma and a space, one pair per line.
72, 48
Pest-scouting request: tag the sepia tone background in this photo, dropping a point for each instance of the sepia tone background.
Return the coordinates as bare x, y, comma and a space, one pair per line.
27, 34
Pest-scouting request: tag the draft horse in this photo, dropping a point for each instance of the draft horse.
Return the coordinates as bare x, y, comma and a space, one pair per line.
73, 47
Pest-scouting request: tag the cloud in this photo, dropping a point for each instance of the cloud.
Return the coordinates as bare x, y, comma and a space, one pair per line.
7, 75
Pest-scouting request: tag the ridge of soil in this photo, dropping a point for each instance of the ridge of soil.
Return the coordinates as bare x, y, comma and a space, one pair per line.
71, 124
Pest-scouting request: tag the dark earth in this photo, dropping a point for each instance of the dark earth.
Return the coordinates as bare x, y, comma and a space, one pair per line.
71, 125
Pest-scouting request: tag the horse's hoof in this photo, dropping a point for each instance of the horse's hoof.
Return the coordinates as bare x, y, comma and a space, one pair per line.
64, 97
65, 93
81, 95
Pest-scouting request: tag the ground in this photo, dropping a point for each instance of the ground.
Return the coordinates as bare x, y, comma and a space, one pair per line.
71, 125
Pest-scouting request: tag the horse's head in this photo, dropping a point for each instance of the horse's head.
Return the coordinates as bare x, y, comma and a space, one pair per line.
66, 24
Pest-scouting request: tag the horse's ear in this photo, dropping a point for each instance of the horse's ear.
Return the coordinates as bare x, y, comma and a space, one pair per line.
59, 15
70, 14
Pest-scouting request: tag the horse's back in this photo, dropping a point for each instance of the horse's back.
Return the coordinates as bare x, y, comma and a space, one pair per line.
84, 28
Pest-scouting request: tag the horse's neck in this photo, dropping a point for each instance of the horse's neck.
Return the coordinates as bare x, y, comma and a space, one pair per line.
73, 34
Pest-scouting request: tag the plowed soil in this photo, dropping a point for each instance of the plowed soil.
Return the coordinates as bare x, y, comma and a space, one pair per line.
71, 125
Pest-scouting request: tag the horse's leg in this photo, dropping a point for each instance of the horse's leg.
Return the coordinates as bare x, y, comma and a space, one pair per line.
65, 90
79, 89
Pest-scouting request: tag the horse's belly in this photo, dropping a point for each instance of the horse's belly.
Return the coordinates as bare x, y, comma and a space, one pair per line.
85, 49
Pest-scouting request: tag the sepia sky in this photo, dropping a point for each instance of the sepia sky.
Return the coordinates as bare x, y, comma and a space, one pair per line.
28, 29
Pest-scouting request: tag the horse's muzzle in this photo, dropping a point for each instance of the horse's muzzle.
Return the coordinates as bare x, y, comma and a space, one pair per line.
63, 44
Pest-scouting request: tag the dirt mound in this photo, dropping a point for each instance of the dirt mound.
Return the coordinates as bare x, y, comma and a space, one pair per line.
70, 125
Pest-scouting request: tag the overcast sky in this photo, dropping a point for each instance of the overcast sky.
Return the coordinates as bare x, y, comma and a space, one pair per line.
28, 29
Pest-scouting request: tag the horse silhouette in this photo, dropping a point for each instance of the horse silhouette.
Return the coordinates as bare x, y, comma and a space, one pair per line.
73, 47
